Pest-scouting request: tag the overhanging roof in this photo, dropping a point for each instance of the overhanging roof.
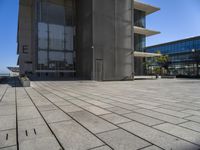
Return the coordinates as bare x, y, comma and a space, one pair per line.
144, 31
148, 9
144, 54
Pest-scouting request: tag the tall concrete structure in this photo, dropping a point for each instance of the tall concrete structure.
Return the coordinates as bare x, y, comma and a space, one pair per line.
141, 10
85, 39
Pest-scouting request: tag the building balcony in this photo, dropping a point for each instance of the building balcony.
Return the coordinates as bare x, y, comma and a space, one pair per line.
146, 32
145, 54
148, 9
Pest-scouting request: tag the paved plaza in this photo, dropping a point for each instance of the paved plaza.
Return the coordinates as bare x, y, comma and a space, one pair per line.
89, 115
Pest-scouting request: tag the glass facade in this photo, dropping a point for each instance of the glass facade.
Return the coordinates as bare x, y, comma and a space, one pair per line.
139, 41
176, 47
56, 34
139, 18
183, 55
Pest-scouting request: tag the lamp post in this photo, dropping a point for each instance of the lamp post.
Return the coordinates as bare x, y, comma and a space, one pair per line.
193, 57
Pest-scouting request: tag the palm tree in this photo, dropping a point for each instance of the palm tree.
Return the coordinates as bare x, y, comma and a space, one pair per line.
163, 61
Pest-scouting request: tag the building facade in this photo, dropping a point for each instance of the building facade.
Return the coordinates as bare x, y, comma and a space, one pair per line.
76, 39
184, 55
141, 10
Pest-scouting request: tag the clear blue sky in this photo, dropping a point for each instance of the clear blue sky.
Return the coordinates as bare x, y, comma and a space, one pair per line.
8, 33
177, 19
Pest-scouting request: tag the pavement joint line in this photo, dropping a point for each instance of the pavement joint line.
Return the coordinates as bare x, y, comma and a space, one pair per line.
171, 109
106, 121
147, 147
97, 105
16, 110
96, 147
184, 122
189, 128
3, 94
102, 101
60, 121
29, 118
179, 137
125, 122
75, 120
160, 124
8, 115
8, 130
135, 121
189, 117
164, 113
45, 121
8, 146
105, 103
153, 117
107, 131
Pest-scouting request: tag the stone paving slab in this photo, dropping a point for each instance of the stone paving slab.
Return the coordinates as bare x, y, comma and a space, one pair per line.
70, 108
143, 119
180, 132
160, 116
96, 110
115, 119
191, 125
157, 137
118, 110
92, 122
55, 116
44, 143
30, 123
122, 140
194, 118
47, 107
7, 122
7, 138
74, 137
29, 112
7, 110
85, 115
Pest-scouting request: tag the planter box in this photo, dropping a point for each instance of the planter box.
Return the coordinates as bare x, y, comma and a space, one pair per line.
25, 83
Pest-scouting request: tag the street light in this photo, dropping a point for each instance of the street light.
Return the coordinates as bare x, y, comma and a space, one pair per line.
193, 52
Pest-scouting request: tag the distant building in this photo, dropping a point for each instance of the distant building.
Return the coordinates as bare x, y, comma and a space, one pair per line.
184, 55
14, 71
85, 39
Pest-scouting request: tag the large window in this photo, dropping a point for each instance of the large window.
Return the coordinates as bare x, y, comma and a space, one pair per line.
139, 18
55, 35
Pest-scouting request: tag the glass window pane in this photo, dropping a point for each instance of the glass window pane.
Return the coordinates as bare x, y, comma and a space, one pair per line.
42, 36
69, 38
69, 58
56, 56
56, 37
56, 14
42, 58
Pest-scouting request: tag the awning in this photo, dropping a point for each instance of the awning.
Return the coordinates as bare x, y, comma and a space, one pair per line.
144, 31
146, 55
148, 9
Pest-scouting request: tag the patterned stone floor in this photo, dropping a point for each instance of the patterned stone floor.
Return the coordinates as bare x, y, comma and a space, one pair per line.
88, 115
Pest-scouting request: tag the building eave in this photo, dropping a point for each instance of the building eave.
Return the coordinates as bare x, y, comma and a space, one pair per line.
144, 31
148, 9
145, 54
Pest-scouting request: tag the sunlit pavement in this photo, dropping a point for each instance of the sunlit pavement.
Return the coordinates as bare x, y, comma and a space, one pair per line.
89, 115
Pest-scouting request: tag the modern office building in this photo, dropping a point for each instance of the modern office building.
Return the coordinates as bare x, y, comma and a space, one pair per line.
184, 55
84, 39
